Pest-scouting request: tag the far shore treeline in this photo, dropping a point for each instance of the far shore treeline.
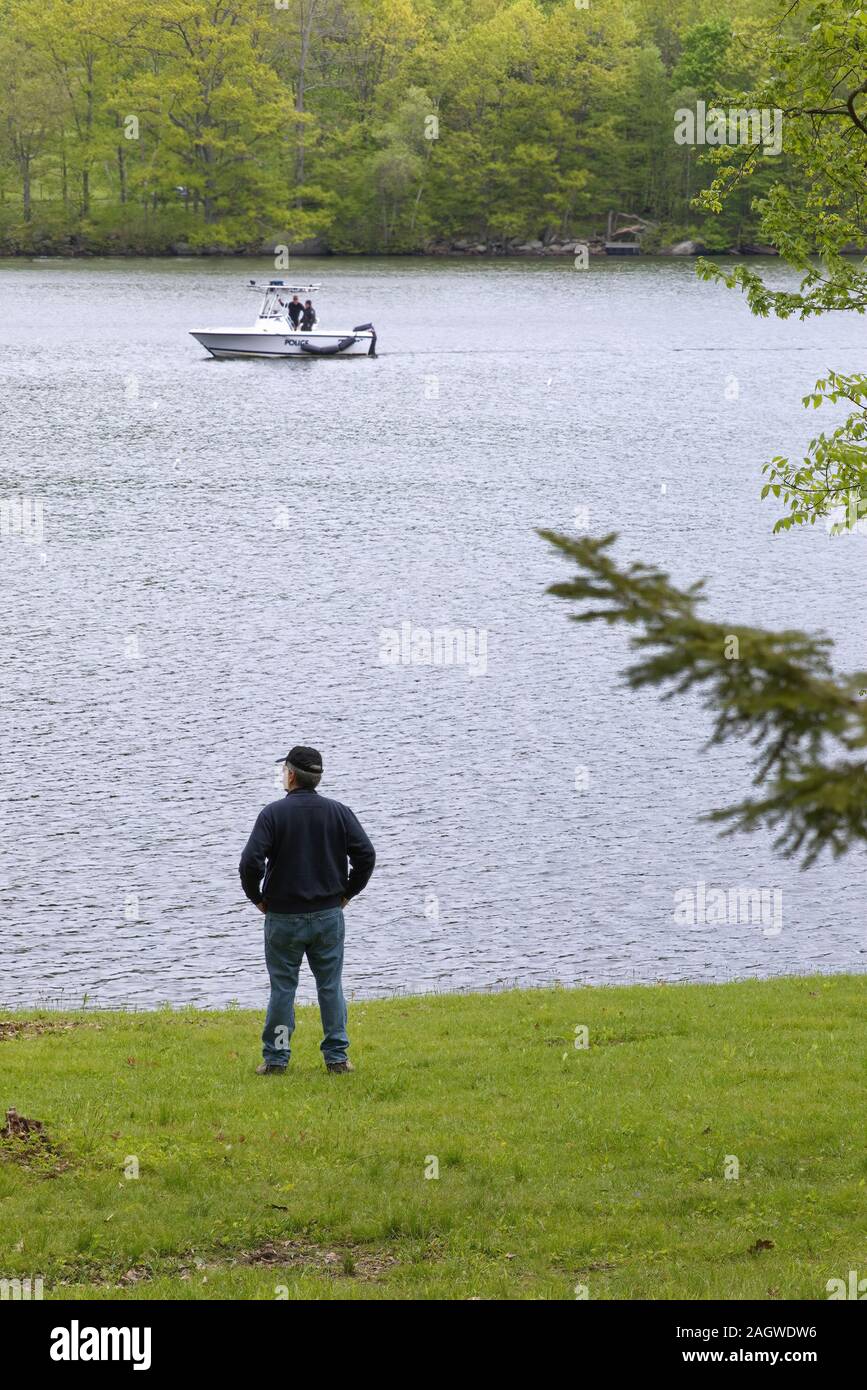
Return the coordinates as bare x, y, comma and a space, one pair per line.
378, 126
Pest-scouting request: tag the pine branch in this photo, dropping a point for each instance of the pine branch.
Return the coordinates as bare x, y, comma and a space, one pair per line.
777, 690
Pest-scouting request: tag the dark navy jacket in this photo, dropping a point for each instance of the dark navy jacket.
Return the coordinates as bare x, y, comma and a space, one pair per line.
306, 840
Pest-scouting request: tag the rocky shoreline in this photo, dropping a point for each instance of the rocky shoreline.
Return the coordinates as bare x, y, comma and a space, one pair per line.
464, 246
440, 248
570, 246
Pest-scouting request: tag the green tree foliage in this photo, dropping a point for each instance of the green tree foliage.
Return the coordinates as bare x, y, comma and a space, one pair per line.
376, 125
816, 219
704, 56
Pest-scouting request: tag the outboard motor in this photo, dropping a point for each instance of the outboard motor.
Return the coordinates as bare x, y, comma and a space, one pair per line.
362, 328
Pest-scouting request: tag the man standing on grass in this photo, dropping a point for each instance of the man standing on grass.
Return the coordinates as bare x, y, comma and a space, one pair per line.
318, 857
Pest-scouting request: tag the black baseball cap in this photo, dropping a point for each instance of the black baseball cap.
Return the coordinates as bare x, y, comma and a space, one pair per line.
303, 759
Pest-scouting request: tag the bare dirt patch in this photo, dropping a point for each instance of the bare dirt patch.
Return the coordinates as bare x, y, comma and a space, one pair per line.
32, 1028
12, 1029
25, 1141
300, 1255
341, 1261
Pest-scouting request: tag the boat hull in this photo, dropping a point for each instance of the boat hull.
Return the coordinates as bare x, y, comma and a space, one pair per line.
227, 343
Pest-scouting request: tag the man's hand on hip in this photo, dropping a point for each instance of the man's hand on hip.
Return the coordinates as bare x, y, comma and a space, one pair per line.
261, 906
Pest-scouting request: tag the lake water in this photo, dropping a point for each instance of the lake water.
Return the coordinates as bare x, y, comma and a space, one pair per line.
225, 542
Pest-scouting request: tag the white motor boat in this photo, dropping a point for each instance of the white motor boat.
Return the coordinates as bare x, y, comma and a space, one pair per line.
273, 334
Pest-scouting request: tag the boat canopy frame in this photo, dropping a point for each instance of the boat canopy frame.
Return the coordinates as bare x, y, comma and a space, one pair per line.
274, 306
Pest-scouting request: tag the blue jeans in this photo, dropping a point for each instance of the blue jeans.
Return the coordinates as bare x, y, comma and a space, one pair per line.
288, 936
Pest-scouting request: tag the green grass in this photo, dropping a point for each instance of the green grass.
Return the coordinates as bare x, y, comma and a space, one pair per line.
558, 1166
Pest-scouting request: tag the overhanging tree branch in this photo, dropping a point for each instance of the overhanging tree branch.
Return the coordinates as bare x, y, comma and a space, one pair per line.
777, 690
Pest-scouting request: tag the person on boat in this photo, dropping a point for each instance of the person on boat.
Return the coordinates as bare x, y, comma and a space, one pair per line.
308, 316
295, 310
315, 858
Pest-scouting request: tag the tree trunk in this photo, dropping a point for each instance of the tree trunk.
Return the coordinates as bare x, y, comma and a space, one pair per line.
88, 126
209, 198
306, 31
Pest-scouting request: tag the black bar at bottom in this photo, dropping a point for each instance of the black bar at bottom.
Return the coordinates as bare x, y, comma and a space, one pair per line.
221, 1339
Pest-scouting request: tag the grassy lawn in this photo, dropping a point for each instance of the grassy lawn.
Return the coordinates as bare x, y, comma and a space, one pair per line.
558, 1166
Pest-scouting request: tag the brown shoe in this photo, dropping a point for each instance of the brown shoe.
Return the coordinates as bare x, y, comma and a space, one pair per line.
269, 1069
337, 1068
